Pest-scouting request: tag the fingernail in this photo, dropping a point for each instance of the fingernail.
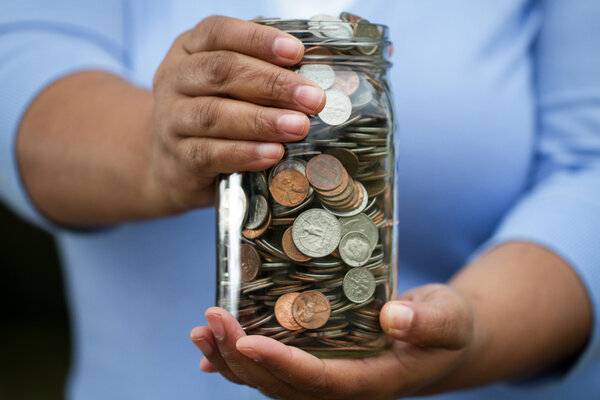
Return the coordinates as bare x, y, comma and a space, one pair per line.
292, 124
203, 345
401, 316
309, 96
287, 47
269, 150
216, 325
250, 353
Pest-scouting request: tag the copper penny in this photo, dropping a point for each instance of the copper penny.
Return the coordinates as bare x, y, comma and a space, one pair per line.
289, 187
249, 262
290, 248
346, 80
311, 309
283, 311
258, 232
348, 159
325, 172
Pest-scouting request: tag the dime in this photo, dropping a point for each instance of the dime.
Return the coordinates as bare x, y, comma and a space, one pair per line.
283, 311
359, 285
355, 249
325, 172
290, 249
316, 232
363, 224
338, 107
289, 187
311, 309
321, 74
249, 262
257, 212
258, 232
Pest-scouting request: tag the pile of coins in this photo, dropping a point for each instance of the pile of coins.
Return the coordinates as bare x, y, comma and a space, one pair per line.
305, 248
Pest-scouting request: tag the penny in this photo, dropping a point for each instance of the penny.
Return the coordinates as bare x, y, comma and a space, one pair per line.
355, 249
346, 80
316, 232
283, 311
290, 249
311, 309
359, 285
249, 262
258, 232
258, 210
338, 107
324, 172
289, 187
363, 224
321, 74
348, 159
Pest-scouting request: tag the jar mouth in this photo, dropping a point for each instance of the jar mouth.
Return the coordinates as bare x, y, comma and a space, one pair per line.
357, 41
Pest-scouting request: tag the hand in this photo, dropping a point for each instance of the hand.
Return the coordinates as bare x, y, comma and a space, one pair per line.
223, 104
433, 328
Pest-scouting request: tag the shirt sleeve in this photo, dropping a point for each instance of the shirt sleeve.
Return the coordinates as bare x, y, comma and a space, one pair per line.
561, 211
41, 42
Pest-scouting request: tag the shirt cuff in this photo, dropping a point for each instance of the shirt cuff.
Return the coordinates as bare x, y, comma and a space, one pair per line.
563, 215
30, 62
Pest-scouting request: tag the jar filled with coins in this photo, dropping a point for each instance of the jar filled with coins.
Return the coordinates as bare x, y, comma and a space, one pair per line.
306, 250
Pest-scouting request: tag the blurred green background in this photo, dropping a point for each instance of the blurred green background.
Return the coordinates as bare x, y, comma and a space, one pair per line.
34, 330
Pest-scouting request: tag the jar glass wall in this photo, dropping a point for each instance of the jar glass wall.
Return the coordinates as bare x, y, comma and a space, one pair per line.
306, 250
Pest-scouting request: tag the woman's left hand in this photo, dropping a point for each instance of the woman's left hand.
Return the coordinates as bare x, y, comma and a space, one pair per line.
432, 327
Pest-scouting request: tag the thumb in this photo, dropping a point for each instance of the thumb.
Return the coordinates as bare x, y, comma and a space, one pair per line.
446, 324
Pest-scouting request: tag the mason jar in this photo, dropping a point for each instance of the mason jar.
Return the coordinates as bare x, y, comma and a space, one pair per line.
306, 250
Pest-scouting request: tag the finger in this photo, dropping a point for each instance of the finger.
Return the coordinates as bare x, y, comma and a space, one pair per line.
232, 119
227, 331
343, 378
246, 78
209, 157
445, 324
259, 41
203, 338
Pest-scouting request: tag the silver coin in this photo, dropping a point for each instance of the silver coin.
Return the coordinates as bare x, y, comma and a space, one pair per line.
321, 74
256, 182
355, 249
359, 285
337, 108
316, 232
357, 210
366, 30
232, 209
363, 224
258, 211
363, 95
327, 26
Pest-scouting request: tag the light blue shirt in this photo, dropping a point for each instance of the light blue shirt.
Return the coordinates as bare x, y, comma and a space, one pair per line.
498, 110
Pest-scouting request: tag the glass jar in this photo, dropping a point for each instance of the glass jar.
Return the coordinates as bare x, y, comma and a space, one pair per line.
306, 250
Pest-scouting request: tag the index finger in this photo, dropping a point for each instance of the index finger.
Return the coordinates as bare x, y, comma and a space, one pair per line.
258, 41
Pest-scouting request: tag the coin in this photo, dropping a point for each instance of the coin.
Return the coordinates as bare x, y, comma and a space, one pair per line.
311, 309
249, 261
324, 172
258, 211
338, 107
321, 74
359, 285
327, 26
258, 232
348, 159
366, 30
346, 80
355, 249
290, 249
289, 187
316, 232
363, 224
283, 311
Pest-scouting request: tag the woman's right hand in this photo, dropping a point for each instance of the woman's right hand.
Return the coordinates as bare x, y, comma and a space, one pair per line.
222, 104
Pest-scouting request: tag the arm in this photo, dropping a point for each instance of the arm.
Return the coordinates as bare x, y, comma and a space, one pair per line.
93, 149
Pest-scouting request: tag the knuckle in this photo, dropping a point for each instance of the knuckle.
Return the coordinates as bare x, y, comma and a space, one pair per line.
260, 123
209, 30
260, 39
219, 67
199, 155
207, 113
277, 83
